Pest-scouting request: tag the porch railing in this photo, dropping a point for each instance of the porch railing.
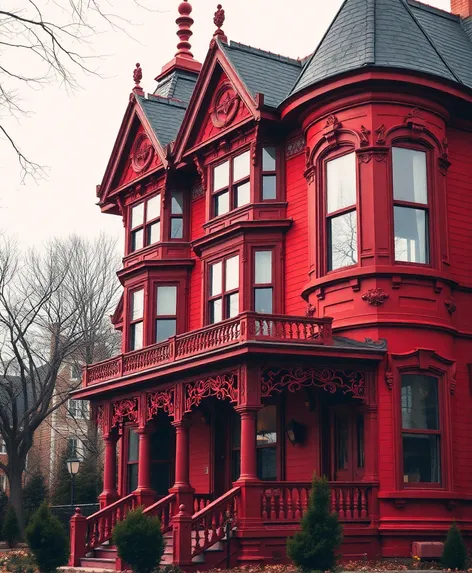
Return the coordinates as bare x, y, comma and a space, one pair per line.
287, 501
208, 526
201, 500
100, 524
164, 509
246, 327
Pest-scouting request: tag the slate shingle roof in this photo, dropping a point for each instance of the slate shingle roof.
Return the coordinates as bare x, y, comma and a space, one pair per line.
263, 72
179, 85
164, 115
401, 34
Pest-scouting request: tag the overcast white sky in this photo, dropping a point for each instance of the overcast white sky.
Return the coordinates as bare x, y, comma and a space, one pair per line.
74, 134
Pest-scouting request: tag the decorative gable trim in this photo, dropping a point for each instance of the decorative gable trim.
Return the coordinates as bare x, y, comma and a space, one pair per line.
215, 57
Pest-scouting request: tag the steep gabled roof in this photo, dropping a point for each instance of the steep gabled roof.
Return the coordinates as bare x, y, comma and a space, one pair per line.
263, 72
164, 115
400, 34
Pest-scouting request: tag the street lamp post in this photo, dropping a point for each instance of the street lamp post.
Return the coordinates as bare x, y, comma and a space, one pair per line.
73, 465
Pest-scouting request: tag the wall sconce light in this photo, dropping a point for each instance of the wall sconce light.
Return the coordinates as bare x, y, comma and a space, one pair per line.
295, 432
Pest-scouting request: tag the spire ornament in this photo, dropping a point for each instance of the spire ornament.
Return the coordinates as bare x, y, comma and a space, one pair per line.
184, 22
218, 20
137, 77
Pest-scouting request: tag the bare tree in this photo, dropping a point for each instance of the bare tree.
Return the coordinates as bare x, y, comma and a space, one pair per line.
44, 42
52, 305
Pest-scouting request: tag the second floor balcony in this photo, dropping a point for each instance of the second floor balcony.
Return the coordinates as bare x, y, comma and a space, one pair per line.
246, 328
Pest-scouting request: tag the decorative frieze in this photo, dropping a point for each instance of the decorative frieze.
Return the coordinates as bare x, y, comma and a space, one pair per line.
222, 386
125, 411
294, 147
162, 400
375, 296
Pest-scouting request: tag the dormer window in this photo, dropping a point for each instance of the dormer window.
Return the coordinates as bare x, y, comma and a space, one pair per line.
410, 200
145, 223
231, 184
341, 200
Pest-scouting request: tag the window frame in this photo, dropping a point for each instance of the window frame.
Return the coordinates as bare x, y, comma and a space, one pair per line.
254, 285
131, 322
276, 173
145, 225
180, 216
232, 184
223, 295
426, 207
428, 363
78, 411
156, 317
342, 151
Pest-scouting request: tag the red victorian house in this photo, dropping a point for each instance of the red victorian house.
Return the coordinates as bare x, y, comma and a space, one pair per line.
297, 292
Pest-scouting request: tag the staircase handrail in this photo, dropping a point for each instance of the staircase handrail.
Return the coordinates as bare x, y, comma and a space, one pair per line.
214, 518
101, 523
163, 509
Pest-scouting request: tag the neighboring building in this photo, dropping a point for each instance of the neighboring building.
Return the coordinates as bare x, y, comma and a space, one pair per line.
68, 428
297, 290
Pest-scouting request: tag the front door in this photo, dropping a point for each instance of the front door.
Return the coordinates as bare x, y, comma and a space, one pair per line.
347, 444
162, 455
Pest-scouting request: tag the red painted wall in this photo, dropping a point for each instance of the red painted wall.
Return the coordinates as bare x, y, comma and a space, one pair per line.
199, 453
195, 302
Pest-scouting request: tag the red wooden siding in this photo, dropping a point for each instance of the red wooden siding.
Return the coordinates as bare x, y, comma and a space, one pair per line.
199, 453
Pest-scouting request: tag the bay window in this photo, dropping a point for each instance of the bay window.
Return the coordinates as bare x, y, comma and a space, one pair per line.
145, 223
410, 199
269, 173
263, 282
166, 312
136, 315
231, 184
341, 198
421, 434
223, 281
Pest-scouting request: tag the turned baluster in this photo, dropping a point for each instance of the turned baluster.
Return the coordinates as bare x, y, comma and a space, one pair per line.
348, 504
215, 523
273, 515
196, 528
282, 499
355, 503
342, 507
289, 504
297, 504
334, 504
264, 506
305, 494
363, 503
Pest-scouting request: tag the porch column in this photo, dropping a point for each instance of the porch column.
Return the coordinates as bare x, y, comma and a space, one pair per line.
144, 491
109, 493
248, 443
371, 460
182, 486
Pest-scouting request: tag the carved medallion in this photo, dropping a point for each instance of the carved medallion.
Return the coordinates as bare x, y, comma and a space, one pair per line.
225, 106
141, 154
375, 296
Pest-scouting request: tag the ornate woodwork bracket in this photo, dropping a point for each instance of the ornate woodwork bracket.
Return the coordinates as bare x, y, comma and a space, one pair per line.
162, 400
347, 382
125, 411
222, 386
375, 296
450, 305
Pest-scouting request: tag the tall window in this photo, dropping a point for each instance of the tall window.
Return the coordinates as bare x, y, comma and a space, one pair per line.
75, 448
177, 215
132, 461
78, 409
410, 196
421, 434
3, 448
75, 371
166, 312
136, 330
145, 223
341, 211
231, 185
263, 282
269, 173
224, 289
266, 443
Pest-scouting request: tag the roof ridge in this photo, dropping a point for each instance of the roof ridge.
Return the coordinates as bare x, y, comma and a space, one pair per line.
370, 33
429, 8
264, 53
310, 59
432, 44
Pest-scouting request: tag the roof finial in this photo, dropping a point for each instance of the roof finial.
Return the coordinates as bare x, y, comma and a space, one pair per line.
184, 22
137, 77
218, 20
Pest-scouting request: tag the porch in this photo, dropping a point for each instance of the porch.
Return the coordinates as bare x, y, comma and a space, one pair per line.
232, 455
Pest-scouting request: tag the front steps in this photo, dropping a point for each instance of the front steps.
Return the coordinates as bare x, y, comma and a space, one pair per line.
104, 557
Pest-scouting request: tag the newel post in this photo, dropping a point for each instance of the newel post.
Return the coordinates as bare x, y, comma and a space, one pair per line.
78, 538
182, 537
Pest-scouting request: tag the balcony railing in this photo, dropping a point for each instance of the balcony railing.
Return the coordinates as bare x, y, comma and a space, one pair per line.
246, 327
